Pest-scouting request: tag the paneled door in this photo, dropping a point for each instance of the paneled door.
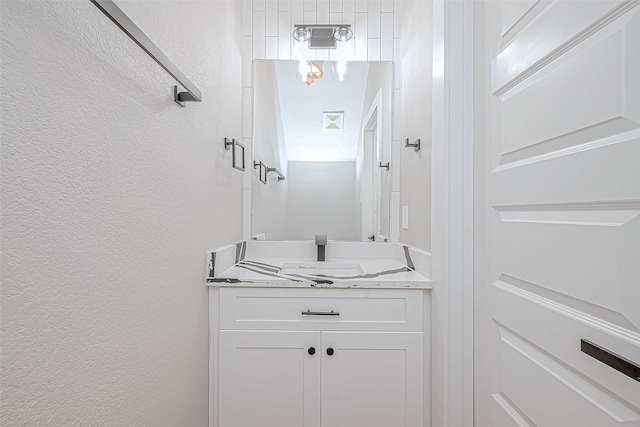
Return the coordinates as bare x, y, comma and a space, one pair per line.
558, 260
269, 378
372, 379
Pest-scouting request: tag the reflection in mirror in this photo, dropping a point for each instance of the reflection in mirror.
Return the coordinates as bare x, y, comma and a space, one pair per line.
329, 137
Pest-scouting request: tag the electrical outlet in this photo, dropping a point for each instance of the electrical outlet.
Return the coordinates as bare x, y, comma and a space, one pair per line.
405, 217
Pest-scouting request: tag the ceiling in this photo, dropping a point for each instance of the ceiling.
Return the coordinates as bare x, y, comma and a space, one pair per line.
302, 110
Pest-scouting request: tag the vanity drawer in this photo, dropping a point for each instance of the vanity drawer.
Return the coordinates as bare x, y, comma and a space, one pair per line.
324, 309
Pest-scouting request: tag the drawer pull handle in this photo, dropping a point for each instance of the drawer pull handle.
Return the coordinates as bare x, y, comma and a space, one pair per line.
311, 351
330, 351
320, 313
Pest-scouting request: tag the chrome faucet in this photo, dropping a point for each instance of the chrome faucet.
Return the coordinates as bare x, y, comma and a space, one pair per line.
321, 242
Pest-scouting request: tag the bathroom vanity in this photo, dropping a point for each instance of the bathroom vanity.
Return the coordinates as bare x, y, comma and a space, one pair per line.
297, 342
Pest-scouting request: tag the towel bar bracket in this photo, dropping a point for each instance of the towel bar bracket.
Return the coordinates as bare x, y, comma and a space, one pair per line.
181, 98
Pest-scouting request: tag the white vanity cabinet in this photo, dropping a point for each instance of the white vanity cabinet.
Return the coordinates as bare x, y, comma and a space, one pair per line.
356, 357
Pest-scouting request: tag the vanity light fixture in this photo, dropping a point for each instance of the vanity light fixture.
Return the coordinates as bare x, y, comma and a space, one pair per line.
322, 36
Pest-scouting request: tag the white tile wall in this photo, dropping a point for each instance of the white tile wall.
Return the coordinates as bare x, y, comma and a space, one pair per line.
322, 11
284, 5
259, 5
272, 18
268, 25
372, 20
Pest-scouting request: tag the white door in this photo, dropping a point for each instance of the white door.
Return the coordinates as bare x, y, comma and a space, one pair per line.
269, 379
372, 379
560, 262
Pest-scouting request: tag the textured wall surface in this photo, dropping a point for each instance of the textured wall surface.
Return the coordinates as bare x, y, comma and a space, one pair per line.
415, 179
111, 195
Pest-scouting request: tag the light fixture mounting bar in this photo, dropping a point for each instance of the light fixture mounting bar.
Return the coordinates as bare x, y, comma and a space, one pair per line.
323, 26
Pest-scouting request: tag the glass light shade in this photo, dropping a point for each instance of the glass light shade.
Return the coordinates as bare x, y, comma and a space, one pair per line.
301, 34
343, 34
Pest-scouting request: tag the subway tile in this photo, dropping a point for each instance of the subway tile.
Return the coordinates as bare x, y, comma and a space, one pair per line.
247, 62
336, 6
309, 17
259, 5
373, 50
271, 47
386, 36
335, 18
386, 6
360, 36
395, 217
397, 114
247, 112
322, 55
247, 17
374, 19
309, 5
322, 11
397, 18
272, 18
361, 6
349, 12
396, 154
297, 13
284, 35
259, 35
248, 153
397, 63
284, 5
246, 214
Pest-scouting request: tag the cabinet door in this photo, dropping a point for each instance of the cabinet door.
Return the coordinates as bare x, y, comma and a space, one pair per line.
268, 378
372, 379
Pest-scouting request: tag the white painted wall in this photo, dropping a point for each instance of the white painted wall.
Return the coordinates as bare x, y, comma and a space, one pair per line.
270, 200
415, 177
111, 194
322, 200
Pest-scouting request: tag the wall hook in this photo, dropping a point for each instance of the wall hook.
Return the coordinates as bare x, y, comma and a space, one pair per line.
415, 145
386, 165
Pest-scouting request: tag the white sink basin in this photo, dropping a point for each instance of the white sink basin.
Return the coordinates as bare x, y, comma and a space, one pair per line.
322, 268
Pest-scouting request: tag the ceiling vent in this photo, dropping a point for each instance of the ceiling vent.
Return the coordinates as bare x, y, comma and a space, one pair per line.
332, 120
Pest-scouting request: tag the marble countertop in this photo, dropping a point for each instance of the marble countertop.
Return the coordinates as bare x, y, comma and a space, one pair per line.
265, 272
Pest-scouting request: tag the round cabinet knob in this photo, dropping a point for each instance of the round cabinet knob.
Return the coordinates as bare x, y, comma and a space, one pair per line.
311, 351
330, 351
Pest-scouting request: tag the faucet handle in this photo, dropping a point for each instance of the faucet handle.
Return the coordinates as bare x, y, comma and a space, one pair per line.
321, 239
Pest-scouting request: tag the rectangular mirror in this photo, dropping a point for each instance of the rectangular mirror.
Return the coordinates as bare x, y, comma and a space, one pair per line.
327, 127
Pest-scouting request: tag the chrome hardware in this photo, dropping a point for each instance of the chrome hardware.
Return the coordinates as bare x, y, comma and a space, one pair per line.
320, 313
415, 145
113, 12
